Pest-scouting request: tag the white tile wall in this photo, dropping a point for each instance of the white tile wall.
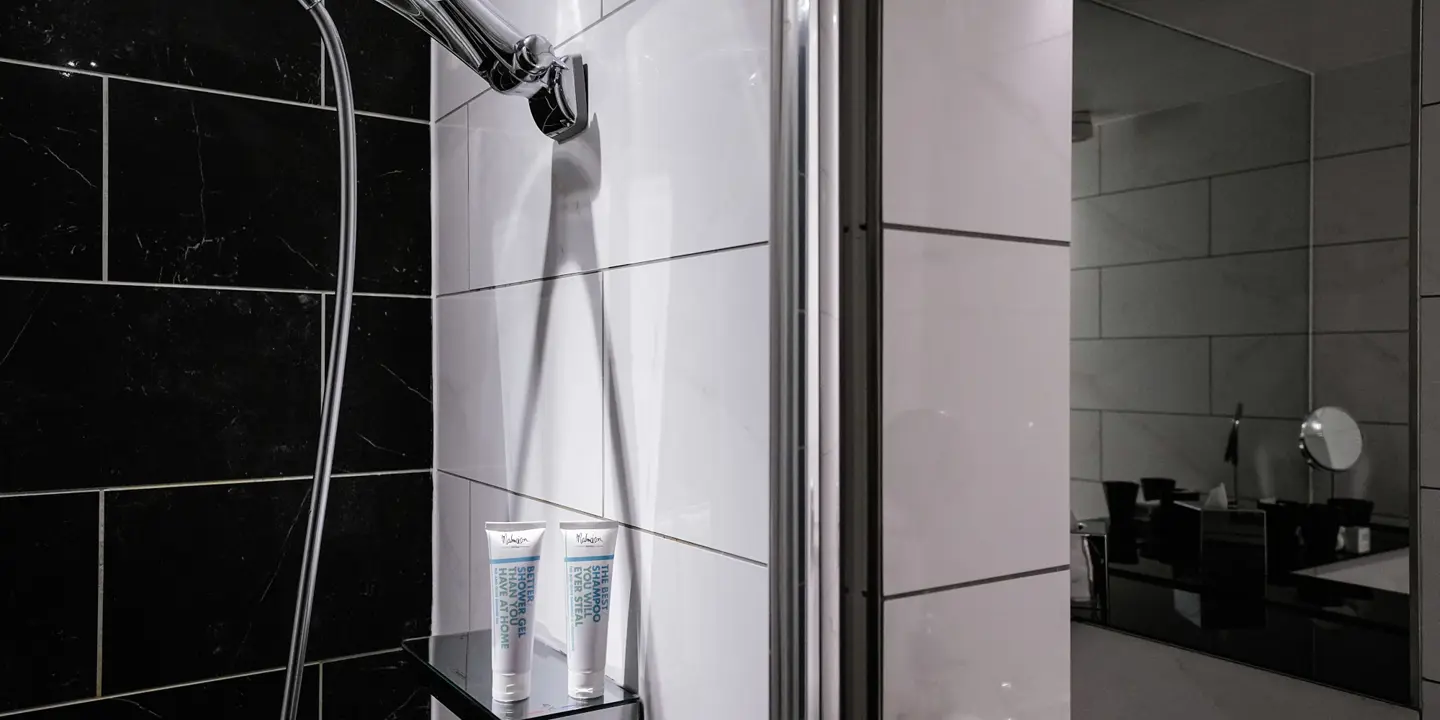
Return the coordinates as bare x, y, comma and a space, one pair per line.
1365, 196
660, 641
1363, 107
656, 175
1383, 472
1266, 372
452, 207
1260, 210
1163, 223
977, 115
689, 456
975, 409
1085, 304
556, 20
1161, 375
1362, 287
992, 651
520, 376
1085, 444
1257, 128
1085, 168
451, 556
1368, 374
1250, 294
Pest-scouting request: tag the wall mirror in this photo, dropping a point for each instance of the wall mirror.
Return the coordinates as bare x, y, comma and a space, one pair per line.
1240, 443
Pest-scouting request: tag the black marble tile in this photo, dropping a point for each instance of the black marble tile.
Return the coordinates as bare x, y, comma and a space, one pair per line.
49, 554
268, 48
50, 149
377, 687
386, 416
253, 697
374, 586
200, 581
211, 189
112, 386
389, 59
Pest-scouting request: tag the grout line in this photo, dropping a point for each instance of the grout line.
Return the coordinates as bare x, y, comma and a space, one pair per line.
189, 683
1381, 148
1242, 253
1293, 333
622, 523
187, 286
976, 583
1222, 416
976, 235
203, 483
104, 179
209, 91
622, 266
100, 602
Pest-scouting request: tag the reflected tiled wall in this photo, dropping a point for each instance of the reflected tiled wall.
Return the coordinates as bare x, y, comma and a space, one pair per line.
976, 165
602, 337
167, 251
1196, 294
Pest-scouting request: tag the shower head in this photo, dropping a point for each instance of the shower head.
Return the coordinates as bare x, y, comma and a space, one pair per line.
514, 64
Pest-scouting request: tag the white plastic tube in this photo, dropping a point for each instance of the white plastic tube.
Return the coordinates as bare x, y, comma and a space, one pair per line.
589, 558
514, 563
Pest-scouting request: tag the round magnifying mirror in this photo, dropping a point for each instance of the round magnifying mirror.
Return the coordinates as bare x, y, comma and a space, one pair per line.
1331, 440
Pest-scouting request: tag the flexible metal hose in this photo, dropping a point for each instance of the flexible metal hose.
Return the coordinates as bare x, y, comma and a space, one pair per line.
335, 364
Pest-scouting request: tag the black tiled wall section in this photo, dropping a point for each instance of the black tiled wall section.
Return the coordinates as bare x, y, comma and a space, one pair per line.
167, 265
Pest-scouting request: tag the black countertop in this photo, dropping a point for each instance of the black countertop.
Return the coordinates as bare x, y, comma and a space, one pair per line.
1352, 637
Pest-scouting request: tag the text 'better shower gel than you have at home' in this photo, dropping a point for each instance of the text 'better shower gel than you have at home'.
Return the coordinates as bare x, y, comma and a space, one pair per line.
514, 569
589, 559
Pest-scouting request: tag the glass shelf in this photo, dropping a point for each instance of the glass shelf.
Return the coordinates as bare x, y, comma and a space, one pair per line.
456, 669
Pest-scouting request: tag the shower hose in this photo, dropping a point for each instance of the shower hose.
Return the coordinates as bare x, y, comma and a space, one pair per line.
334, 364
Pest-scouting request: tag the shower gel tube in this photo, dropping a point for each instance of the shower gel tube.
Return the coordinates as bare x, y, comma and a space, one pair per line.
589, 557
514, 561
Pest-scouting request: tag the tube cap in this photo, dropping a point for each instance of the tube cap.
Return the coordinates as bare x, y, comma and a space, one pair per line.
510, 688
586, 685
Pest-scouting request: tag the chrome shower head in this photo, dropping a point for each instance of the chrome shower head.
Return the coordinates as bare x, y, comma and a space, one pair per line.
514, 64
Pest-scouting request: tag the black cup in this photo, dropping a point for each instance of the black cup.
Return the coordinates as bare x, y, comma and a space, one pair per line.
1320, 528
1157, 488
1120, 500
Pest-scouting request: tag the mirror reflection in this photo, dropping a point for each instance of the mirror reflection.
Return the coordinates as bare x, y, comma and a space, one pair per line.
1239, 388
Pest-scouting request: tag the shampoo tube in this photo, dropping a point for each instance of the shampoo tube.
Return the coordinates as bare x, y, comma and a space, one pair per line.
589, 557
514, 560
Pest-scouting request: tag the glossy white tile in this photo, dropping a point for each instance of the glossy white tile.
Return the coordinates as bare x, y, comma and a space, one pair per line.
1362, 287
1158, 375
1363, 107
452, 83
1164, 223
1269, 373
1251, 294
1085, 168
658, 174
1253, 129
1085, 304
975, 415
1085, 444
521, 370
1361, 197
452, 204
1260, 210
687, 412
451, 555
976, 110
992, 651
1120, 677
1368, 374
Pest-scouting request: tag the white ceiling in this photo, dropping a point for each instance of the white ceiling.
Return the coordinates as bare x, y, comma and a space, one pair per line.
1125, 65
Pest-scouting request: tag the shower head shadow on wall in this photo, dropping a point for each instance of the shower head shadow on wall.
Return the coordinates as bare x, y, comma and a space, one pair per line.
514, 64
